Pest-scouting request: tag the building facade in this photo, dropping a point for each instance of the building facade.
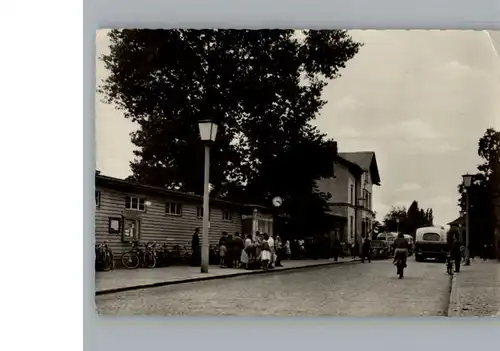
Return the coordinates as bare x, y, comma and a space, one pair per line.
351, 191
127, 211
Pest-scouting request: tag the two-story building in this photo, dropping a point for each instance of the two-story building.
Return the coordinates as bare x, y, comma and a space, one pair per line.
351, 190
126, 211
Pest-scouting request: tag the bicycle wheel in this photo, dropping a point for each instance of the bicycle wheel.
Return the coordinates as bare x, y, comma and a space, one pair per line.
149, 260
130, 260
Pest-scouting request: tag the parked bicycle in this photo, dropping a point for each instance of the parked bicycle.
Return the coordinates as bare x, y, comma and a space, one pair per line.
187, 252
149, 256
138, 256
104, 260
163, 257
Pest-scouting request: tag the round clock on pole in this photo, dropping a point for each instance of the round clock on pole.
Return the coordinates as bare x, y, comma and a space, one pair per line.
277, 201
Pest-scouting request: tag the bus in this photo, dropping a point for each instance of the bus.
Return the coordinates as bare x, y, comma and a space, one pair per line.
431, 242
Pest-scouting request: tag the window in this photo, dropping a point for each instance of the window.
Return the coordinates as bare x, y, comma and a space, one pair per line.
135, 203
227, 216
351, 229
199, 212
352, 195
431, 237
97, 199
368, 198
173, 209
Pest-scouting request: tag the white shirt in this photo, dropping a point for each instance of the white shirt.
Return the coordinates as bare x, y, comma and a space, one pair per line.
248, 242
270, 241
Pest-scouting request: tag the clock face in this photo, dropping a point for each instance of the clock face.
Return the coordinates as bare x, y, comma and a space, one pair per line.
277, 201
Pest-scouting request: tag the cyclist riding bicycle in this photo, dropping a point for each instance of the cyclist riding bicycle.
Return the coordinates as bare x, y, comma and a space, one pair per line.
401, 247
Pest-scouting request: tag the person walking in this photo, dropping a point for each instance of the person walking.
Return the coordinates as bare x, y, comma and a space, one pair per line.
238, 246
246, 253
288, 249
301, 249
279, 251
223, 249
258, 247
195, 248
366, 251
229, 253
456, 253
336, 248
272, 248
266, 254
354, 249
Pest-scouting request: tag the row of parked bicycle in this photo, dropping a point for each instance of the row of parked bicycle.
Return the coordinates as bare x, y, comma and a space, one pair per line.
148, 255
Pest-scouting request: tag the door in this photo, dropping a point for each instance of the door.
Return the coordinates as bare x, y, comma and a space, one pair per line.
131, 230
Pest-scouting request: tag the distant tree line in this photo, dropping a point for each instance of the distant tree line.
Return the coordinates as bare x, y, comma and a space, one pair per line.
404, 220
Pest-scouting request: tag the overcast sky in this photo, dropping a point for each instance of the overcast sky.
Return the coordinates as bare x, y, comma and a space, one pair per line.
419, 99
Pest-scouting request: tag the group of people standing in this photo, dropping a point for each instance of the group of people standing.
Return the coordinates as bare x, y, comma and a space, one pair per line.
266, 251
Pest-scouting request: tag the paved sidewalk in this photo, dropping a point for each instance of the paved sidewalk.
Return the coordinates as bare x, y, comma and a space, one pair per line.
475, 291
124, 279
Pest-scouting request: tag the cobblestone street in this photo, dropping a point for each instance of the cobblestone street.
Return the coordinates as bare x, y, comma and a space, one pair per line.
339, 290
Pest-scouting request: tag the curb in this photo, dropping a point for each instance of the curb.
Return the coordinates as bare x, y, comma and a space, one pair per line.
232, 275
454, 303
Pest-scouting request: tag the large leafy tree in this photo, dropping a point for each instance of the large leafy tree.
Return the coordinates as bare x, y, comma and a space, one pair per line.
484, 194
409, 220
261, 87
396, 219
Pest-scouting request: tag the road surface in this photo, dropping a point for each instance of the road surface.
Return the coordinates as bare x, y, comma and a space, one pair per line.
369, 289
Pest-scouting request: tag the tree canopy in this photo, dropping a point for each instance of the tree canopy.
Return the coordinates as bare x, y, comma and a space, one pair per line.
409, 219
262, 88
484, 193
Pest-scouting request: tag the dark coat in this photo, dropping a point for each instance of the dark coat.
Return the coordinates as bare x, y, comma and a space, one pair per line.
195, 242
455, 250
367, 247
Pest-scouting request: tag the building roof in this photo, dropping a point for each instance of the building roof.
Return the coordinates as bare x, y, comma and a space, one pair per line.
356, 169
106, 181
366, 160
459, 220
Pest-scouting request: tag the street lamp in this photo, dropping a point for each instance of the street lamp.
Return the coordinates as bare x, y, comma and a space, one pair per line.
467, 179
208, 132
397, 224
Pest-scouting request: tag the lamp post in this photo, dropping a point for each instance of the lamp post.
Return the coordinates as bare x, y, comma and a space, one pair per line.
208, 132
467, 178
397, 225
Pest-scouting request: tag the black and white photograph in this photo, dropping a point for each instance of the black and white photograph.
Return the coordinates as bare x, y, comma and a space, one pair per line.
297, 172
